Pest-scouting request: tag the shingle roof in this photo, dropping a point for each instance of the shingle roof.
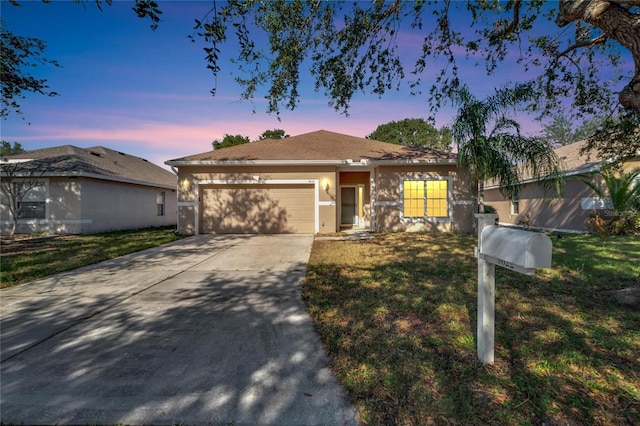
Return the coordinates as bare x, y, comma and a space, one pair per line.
573, 160
318, 146
69, 160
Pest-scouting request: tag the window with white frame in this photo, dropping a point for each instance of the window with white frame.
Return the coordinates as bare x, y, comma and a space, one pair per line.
160, 203
425, 198
515, 205
34, 203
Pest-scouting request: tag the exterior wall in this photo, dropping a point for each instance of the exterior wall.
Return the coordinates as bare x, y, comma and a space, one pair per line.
191, 178
388, 204
385, 198
62, 211
85, 206
565, 213
109, 206
544, 210
631, 165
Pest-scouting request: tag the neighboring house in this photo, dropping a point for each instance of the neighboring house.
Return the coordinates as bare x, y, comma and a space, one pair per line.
547, 211
320, 182
89, 190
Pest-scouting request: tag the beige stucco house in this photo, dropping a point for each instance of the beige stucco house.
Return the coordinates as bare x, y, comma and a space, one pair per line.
89, 190
320, 182
566, 212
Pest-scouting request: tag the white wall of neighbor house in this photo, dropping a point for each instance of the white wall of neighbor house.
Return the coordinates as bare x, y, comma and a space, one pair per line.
110, 206
76, 205
62, 209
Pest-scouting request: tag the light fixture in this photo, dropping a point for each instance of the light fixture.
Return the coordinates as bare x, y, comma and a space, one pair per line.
325, 184
185, 185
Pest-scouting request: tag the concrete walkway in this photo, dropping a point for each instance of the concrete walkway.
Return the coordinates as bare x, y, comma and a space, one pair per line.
205, 330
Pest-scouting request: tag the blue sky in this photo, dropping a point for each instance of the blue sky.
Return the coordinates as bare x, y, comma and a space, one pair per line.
146, 93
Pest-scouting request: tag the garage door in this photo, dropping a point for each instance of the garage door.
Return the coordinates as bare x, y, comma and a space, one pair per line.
257, 209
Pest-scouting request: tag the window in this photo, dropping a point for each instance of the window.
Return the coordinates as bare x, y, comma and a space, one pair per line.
160, 203
515, 206
414, 198
34, 203
425, 198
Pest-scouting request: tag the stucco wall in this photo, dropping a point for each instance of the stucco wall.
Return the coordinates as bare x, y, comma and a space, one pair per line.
79, 205
189, 176
109, 206
388, 200
63, 209
545, 209
387, 180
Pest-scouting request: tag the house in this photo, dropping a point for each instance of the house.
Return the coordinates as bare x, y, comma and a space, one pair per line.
567, 212
320, 182
89, 190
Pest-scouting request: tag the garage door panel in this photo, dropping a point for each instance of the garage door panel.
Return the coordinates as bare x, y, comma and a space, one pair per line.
260, 209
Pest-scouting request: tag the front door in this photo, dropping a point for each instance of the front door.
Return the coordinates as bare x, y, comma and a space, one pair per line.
348, 206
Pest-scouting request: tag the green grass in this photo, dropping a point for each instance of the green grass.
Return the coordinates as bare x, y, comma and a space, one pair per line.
26, 260
398, 315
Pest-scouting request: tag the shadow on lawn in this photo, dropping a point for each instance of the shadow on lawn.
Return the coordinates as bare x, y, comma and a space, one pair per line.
402, 333
200, 347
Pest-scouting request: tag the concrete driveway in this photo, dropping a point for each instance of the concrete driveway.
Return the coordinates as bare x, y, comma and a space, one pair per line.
205, 330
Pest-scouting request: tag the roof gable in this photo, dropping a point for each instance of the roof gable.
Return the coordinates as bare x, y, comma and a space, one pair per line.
69, 160
319, 146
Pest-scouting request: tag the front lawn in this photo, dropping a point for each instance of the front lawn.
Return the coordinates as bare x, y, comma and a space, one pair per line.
26, 260
398, 316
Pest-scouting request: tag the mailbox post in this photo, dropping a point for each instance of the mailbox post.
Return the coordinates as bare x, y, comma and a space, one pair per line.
514, 249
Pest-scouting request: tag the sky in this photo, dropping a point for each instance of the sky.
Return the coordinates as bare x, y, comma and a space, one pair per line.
147, 93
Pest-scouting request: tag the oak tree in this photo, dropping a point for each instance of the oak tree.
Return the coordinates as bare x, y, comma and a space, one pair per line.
564, 50
229, 140
273, 134
413, 131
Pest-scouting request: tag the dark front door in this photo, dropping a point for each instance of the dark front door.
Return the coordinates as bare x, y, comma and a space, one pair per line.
348, 197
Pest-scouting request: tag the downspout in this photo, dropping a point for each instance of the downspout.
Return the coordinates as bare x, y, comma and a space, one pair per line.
175, 171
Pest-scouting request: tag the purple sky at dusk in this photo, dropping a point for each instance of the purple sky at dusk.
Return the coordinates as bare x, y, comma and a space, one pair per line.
146, 93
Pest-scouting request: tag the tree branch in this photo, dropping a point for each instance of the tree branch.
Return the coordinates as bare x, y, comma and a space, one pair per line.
587, 43
514, 23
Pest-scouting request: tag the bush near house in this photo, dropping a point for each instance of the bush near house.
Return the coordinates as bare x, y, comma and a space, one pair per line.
398, 315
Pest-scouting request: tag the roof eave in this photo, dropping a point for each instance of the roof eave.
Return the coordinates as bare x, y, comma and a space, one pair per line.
23, 175
346, 162
581, 171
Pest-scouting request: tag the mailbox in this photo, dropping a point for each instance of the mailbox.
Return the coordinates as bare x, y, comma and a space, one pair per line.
521, 251
514, 249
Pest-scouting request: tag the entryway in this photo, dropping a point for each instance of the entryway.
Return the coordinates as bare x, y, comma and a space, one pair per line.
355, 200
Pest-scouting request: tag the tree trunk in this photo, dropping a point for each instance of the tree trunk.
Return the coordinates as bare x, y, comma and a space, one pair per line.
14, 216
618, 24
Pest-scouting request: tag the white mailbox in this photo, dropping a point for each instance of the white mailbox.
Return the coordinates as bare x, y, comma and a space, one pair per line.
514, 249
521, 251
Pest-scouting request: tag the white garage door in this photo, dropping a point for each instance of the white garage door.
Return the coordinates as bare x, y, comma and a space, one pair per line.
257, 209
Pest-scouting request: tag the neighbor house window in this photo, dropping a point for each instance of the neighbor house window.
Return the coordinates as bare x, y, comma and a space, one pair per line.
425, 198
160, 203
34, 204
515, 205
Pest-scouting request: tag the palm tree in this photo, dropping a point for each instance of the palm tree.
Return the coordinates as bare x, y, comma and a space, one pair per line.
503, 153
621, 190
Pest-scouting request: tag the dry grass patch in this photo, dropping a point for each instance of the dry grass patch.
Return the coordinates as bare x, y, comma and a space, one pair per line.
398, 315
28, 259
